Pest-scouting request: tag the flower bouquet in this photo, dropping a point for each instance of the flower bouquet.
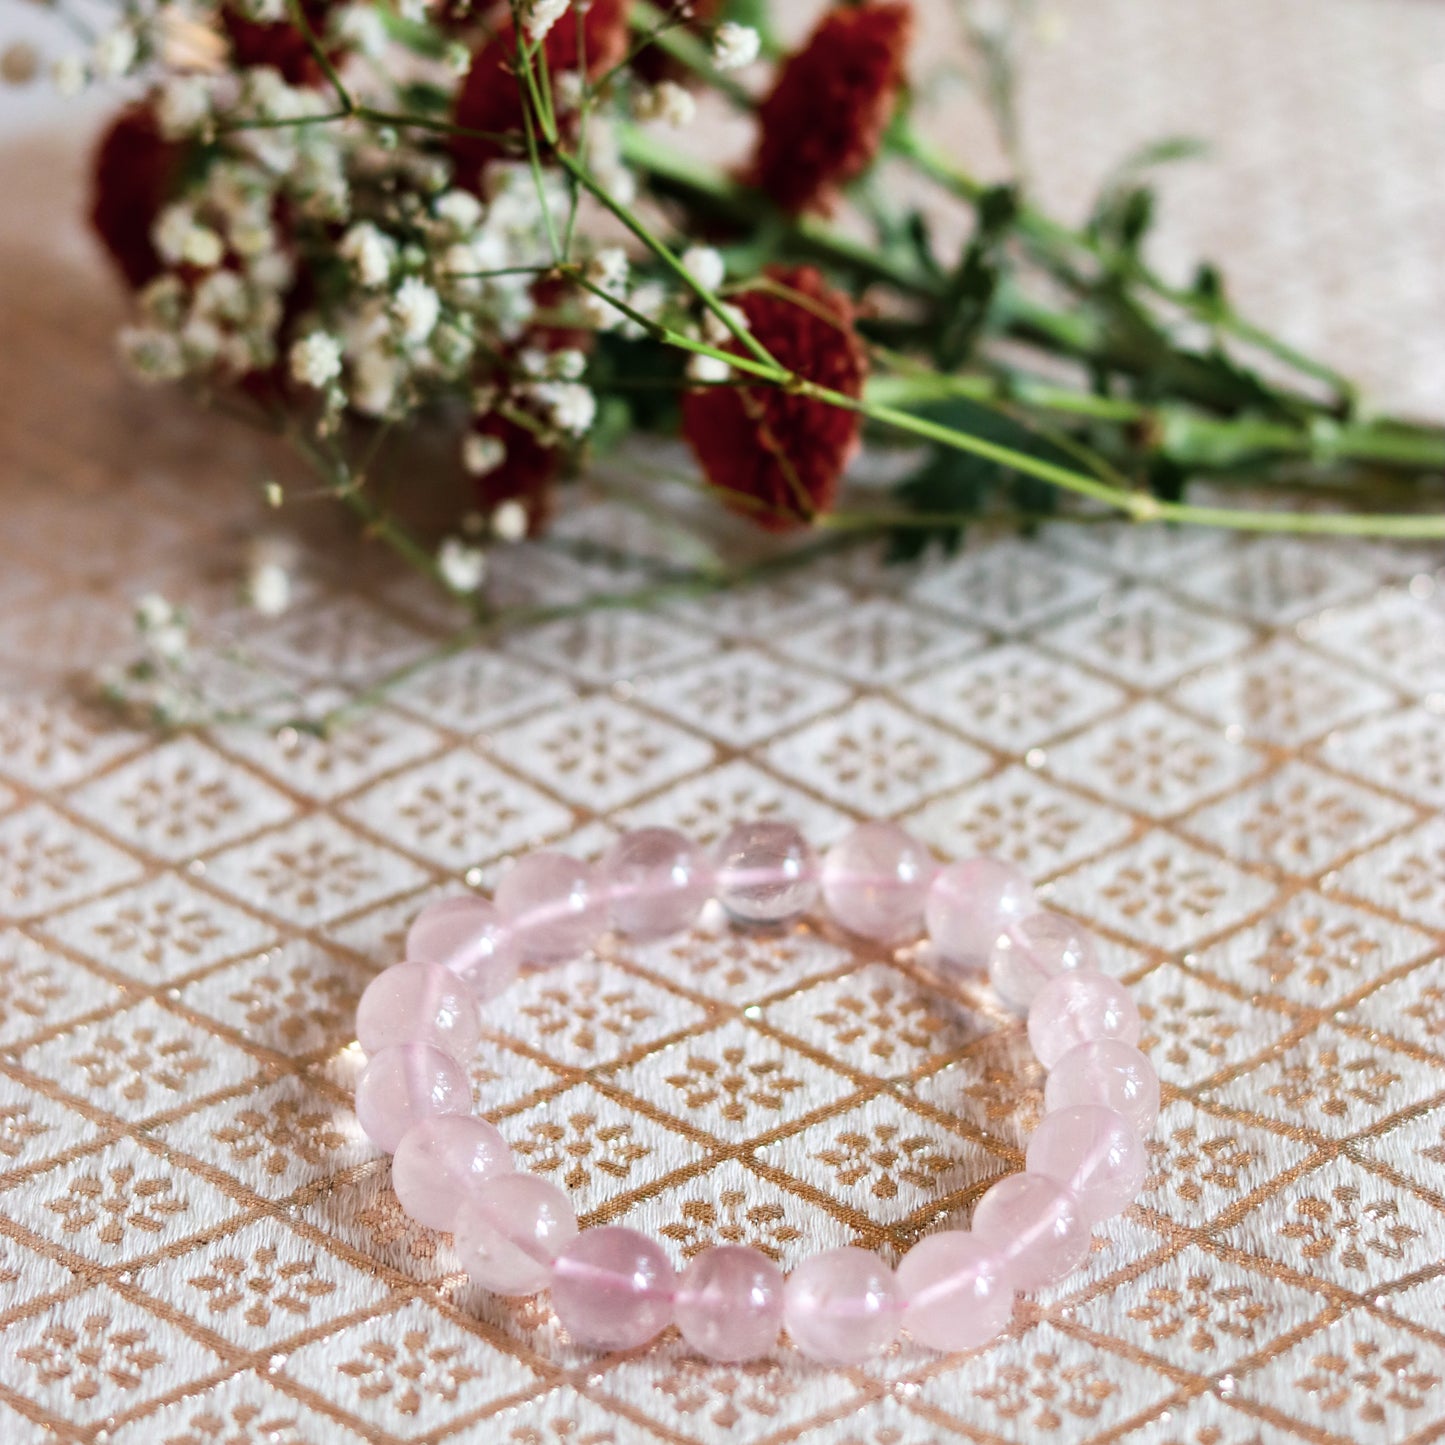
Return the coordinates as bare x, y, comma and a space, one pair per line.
346, 221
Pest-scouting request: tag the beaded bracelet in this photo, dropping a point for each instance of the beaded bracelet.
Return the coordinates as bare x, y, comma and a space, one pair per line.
614, 1288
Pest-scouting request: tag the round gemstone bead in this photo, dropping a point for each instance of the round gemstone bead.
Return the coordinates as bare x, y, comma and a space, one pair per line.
612, 1288
418, 1003
510, 1229
841, 1306
970, 904
1092, 1151
1111, 1073
1079, 1008
404, 1084
439, 1160
956, 1289
1034, 1224
657, 882
875, 881
766, 873
553, 905
1034, 951
465, 934
730, 1303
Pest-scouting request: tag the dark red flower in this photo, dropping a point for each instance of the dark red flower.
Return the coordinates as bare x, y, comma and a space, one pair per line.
777, 457
526, 474
135, 173
825, 117
491, 98
281, 44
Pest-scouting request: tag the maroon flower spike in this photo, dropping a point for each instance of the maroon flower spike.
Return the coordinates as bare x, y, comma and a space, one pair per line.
527, 474
134, 175
281, 45
491, 97
823, 122
777, 457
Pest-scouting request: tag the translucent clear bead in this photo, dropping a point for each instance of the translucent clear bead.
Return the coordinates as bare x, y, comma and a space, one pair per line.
1036, 950
553, 905
1095, 1153
439, 1160
465, 934
875, 881
657, 881
970, 904
1035, 1224
729, 1303
508, 1231
766, 873
842, 1306
418, 1003
1108, 1072
405, 1084
612, 1288
1078, 1008
956, 1289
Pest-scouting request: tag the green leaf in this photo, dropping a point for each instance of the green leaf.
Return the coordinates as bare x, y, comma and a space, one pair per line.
964, 307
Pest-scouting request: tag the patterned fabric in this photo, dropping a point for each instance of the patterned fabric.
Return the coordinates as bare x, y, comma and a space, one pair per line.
1225, 755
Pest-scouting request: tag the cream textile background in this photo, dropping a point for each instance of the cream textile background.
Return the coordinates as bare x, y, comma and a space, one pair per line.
1226, 755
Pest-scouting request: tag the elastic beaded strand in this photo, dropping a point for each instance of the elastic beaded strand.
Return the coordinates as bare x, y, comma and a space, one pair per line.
613, 1288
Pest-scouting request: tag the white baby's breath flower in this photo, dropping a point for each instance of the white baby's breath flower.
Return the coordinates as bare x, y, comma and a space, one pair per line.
151, 355
716, 331
608, 269
202, 340
701, 367
184, 106
463, 568
170, 230
650, 300
568, 363
370, 253
570, 87
539, 16
360, 28
375, 378
534, 361
152, 611
509, 522
460, 210
315, 360
570, 406
668, 102
203, 248
481, 454
222, 294
706, 266
115, 52
604, 159
164, 629
734, 46
69, 75
164, 300
268, 589
415, 309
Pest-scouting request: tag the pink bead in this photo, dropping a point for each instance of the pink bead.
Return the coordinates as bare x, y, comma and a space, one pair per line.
730, 1303
1111, 1073
875, 881
841, 1306
439, 1160
465, 935
418, 1003
657, 882
766, 873
553, 905
1095, 1153
612, 1288
405, 1084
970, 904
956, 1289
510, 1229
1035, 1225
1036, 950
1078, 1008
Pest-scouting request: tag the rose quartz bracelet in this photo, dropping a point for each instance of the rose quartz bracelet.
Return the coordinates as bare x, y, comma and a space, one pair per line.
614, 1288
